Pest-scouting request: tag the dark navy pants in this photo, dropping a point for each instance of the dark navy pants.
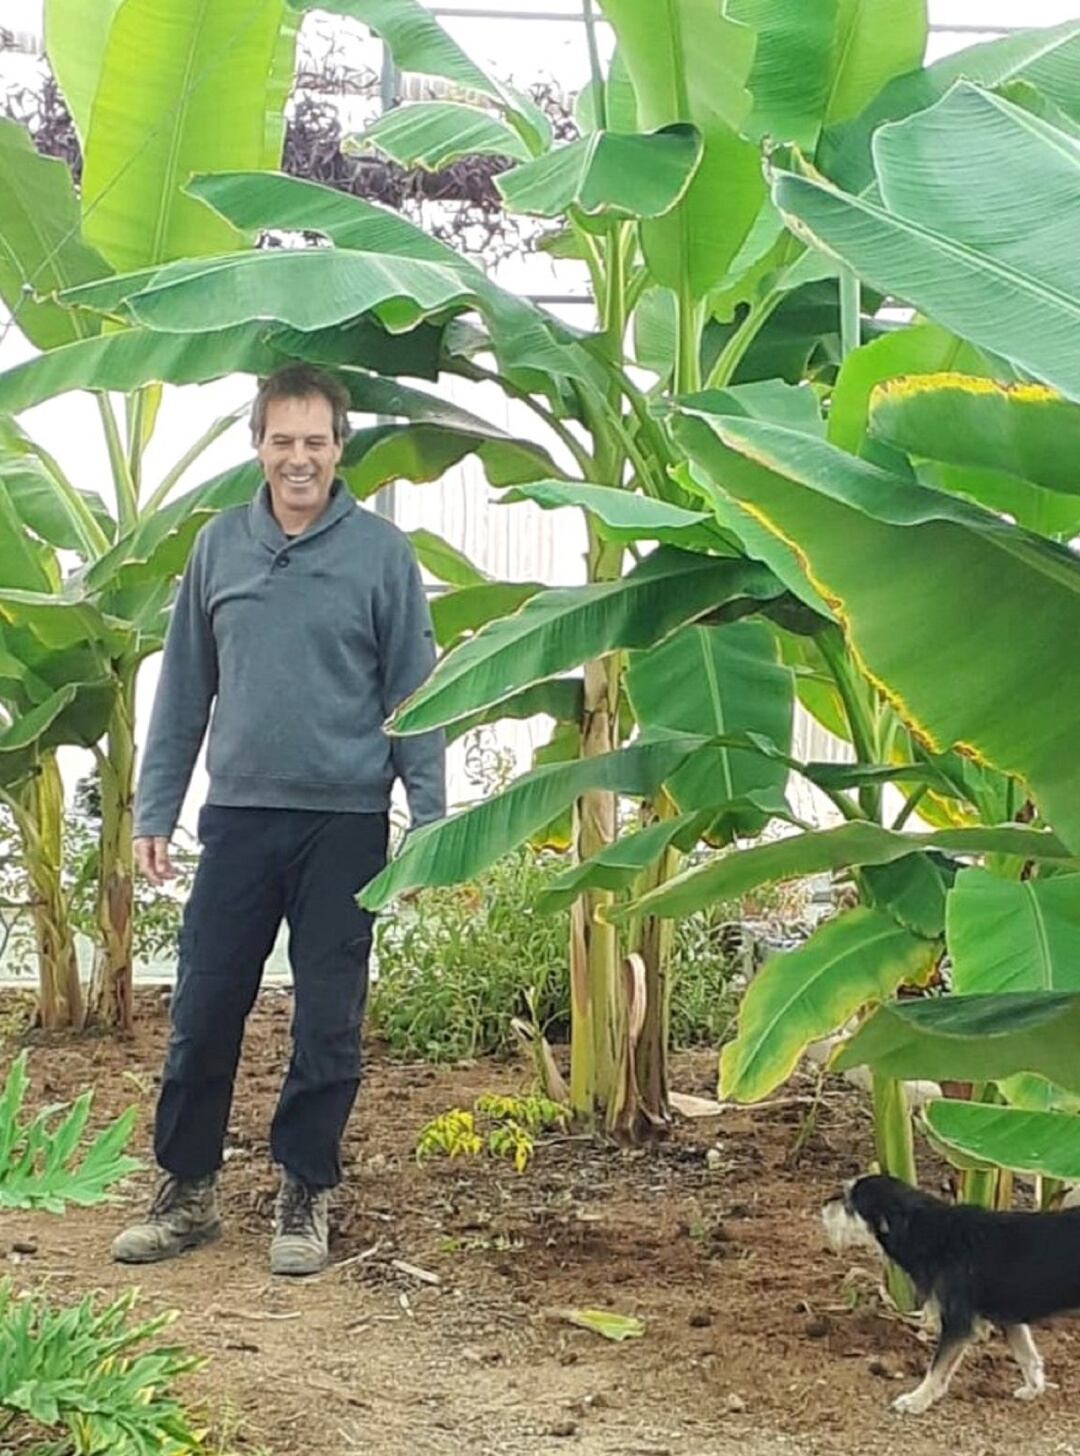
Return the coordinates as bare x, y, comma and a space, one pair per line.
257, 867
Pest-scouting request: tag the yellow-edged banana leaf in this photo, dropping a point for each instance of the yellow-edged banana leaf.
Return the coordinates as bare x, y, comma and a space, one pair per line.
76, 714
945, 605
918, 349
1025, 430
445, 562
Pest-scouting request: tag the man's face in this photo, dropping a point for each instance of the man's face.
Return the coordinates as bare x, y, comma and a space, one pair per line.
298, 454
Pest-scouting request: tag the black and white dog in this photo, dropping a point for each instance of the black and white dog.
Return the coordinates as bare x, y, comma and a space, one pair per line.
969, 1264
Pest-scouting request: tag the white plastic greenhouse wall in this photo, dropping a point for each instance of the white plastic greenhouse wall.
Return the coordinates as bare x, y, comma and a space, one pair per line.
525, 41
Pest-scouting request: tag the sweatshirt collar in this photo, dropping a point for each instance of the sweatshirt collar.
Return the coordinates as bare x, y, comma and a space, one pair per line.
264, 525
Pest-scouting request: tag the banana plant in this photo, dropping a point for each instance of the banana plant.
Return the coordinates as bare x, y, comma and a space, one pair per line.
696, 274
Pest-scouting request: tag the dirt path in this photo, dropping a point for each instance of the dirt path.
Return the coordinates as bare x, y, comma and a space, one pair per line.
755, 1343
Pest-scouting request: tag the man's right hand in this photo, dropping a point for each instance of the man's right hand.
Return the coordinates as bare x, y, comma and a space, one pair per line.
152, 858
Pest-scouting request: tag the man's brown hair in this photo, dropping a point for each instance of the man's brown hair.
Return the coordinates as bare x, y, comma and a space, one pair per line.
301, 381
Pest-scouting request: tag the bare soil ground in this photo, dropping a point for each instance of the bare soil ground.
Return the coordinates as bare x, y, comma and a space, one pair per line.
757, 1341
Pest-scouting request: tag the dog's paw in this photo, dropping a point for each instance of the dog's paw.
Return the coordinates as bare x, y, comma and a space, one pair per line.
1033, 1391
912, 1403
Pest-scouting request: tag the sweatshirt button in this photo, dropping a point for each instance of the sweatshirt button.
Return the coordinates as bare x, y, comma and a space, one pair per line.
281, 561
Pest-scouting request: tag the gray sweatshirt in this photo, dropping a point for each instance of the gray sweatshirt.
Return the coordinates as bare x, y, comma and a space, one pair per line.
303, 646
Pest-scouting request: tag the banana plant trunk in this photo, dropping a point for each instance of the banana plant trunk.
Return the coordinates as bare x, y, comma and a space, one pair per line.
896, 1155
41, 824
653, 940
111, 984
594, 947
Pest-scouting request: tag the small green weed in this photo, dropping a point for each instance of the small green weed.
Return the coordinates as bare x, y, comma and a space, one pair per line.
40, 1166
73, 1375
512, 1126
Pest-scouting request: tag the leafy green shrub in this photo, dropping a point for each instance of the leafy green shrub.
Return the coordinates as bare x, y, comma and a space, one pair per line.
72, 1375
156, 921
454, 967
40, 1166
457, 964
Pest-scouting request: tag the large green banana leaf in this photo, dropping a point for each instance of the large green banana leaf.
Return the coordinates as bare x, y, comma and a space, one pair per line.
863, 843
1014, 935
426, 450
873, 43
913, 891
619, 175
1043, 1143
622, 515
559, 629
523, 337
57, 623
307, 288
618, 865
759, 543
158, 547
945, 606
797, 998
793, 67
435, 134
129, 358
1048, 58
77, 713
76, 35
560, 698
1023, 429
715, 681
690, 63
40, 506
23, 565
182, 88
41, 249
445, 562
460, 847
980, 203
972, 1038
455, 613
417, 42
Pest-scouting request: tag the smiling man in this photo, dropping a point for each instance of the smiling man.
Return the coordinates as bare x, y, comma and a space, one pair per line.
301, 622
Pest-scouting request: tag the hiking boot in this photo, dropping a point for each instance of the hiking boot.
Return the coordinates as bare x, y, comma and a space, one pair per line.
183, 1215
301, 1229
